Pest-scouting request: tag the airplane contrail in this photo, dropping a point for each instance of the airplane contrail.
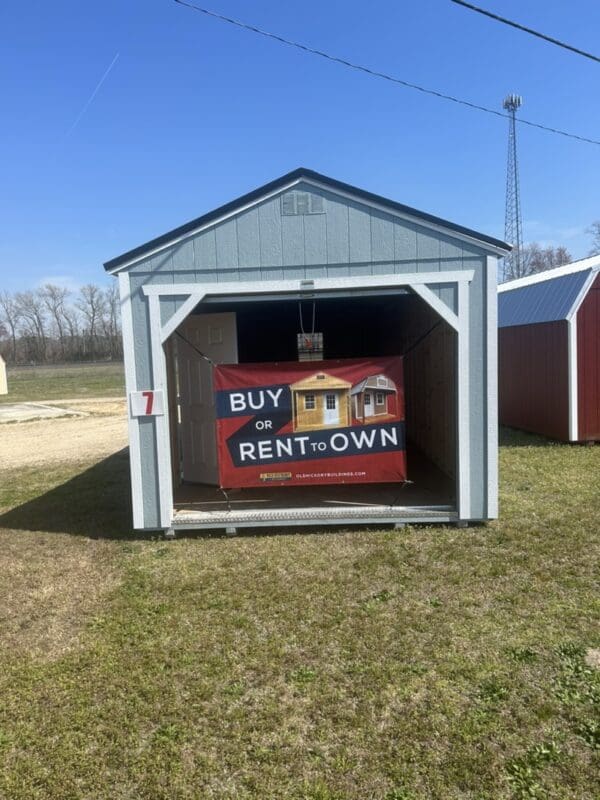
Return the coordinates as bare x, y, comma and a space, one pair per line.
93, 94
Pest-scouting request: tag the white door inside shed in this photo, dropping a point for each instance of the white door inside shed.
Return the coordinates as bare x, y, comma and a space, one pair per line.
331, 413
215, 337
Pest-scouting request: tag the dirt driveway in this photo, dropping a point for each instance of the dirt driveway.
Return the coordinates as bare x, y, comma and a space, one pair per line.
98, 434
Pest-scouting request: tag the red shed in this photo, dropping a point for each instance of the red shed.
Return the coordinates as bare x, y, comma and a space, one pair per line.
549, 352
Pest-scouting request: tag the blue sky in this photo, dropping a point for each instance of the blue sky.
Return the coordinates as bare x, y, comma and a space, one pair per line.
194, 113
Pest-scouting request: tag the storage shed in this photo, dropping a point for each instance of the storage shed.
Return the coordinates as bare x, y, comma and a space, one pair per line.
320, 401
373, 397
370, 278
549, 352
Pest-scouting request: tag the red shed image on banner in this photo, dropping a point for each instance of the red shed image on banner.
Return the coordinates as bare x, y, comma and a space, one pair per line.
301, 423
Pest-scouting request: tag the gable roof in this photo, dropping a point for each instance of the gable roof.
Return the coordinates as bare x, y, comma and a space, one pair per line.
546, 296
372, 382
287, 181
320, 380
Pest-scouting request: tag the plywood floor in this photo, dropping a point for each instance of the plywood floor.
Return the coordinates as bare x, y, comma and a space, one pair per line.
428, 487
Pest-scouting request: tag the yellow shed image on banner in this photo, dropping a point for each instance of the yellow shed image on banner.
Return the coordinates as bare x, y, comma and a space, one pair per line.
320, 401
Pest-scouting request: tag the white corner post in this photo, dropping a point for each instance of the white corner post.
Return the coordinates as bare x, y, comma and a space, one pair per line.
491, 306
159, 333
135, 459
573, 389
161, 422
572, 354
464, 421
460, 323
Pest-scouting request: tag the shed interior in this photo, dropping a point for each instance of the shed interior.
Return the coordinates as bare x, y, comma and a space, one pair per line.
396, 322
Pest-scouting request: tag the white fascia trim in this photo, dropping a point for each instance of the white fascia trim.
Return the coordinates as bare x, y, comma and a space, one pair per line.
547, 275
491, 332
573, 357
464, 424
415, 219
583, 293
206, 226
135, 458
573, 388
161, 423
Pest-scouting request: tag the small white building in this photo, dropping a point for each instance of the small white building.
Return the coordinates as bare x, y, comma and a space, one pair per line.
3, 379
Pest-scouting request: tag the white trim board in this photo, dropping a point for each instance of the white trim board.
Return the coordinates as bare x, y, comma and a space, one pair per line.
583, 293
491, 335
573, 373
381, 207
438, 305
557, 272
415, 280
573, 358
311, 284
135, 458
463, 434
161, 422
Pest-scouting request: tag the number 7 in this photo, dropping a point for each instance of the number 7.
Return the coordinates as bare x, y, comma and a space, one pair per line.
149, 401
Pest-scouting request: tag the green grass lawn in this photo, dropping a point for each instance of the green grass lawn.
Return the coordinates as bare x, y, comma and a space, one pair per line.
64, 381
425, 663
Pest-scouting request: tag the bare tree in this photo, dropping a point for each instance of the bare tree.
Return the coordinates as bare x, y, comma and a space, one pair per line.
535, 258
54, 298
11, 316
71, 320
594, 230
111, 319
33, 320
91, 304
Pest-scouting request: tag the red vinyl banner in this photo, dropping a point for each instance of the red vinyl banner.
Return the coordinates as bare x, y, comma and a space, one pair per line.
315, 422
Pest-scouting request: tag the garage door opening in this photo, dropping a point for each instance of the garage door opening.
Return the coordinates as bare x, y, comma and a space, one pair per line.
267, 331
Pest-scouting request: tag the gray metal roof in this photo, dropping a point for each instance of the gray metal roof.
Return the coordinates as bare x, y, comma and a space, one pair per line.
389, 386
544, 301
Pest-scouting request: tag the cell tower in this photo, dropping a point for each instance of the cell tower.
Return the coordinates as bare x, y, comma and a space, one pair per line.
513, 222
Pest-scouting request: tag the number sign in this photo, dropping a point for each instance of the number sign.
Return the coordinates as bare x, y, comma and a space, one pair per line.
147, 403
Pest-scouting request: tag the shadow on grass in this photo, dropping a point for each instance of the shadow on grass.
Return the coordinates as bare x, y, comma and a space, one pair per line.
96, 504
511, 437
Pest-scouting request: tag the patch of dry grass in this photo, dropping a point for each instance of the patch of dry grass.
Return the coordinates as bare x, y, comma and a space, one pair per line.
97, 406
431, 663
51, 586
64, 381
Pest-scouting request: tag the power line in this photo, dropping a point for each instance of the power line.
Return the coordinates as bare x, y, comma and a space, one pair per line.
375, 73
527, 30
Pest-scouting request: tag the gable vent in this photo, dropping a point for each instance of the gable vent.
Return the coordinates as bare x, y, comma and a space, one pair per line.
301, 203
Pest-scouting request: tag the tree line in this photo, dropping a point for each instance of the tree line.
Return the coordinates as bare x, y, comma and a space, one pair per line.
54, 325
535, 258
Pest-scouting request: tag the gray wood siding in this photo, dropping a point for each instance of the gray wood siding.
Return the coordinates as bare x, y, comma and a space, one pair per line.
349, 238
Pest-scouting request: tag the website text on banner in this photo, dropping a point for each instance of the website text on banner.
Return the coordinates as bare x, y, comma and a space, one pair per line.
301, 423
